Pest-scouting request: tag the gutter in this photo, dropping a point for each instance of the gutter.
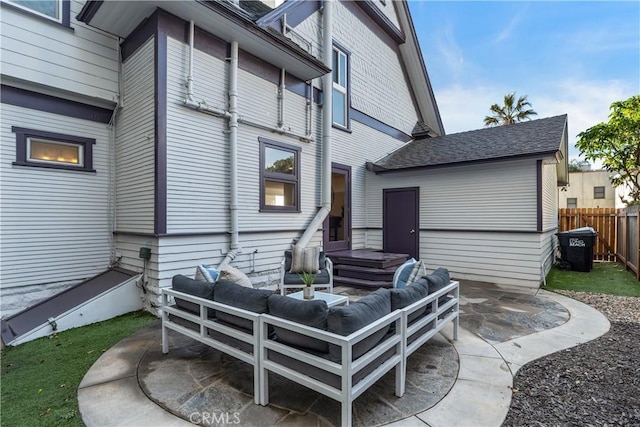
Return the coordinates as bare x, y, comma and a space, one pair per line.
327, 123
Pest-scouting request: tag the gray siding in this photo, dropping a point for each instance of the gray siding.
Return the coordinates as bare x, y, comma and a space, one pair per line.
82, 61
54, 222
135, 144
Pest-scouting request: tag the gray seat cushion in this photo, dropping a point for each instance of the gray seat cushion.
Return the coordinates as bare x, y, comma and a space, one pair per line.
197, 288
295, 279
310, 313
344, 320
401, 298
249, 299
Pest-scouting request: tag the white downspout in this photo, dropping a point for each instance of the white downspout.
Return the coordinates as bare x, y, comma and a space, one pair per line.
192, 26
233, 154
281, 89
327, 122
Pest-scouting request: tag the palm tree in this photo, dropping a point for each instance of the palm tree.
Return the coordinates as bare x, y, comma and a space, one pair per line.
511, 112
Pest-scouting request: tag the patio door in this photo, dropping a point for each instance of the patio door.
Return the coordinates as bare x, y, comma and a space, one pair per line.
400, 221
337, 225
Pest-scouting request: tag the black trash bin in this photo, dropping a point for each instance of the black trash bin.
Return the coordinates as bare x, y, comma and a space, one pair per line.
576, 247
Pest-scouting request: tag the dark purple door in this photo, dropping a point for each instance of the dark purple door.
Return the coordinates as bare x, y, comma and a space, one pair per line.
400, 221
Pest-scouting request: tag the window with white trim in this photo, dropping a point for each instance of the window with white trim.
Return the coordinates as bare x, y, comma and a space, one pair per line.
340, 87
279, 176
598, 192
56, 10
53, 150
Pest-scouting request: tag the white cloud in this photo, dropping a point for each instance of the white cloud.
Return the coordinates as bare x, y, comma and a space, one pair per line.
505, 34
449, 51
586, 103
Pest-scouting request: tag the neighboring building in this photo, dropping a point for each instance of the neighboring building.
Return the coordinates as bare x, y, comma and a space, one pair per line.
587, 189
225, 131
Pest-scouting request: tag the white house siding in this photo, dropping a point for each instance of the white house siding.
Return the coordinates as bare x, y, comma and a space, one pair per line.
388, 9
479, 221
549, 197
82, 61
135, 144
54, 224
378, 84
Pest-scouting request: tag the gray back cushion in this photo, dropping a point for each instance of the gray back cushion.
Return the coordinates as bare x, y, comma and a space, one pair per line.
311, 313
288, 259
438, 280
401, 298
197, 288
344, 320
242, 297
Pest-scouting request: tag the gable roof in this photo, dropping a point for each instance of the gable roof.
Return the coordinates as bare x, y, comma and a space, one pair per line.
536, 138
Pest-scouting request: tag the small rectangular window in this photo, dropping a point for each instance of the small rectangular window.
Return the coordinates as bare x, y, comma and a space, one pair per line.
53, 150
279, 176
341, 92
598, 192
572, 202
56, 10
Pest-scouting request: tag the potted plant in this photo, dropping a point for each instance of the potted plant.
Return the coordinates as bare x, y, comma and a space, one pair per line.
307, 279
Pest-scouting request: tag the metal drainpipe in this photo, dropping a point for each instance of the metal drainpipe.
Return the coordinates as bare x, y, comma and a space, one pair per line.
233, 153
192, 26
327, 122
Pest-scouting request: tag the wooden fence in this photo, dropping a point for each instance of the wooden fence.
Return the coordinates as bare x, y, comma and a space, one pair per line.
618, 233
628, 238
602, 220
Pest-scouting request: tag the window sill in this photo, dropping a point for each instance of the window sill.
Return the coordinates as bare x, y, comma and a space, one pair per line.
341, 128
276, 210
48, 166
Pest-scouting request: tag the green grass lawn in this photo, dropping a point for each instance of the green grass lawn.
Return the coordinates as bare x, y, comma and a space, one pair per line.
40, 378
605, 278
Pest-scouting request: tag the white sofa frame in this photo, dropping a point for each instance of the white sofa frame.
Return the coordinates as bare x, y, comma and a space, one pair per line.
315, 286
347, 392
205, 323
437, 318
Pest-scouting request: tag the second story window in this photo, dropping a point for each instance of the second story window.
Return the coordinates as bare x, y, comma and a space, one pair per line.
340, 88
56, 10
572, 203
598, 192
279, 177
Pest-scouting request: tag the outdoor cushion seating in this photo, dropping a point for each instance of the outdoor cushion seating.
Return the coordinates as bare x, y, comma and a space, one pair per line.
292, 280
401, 276
337, 351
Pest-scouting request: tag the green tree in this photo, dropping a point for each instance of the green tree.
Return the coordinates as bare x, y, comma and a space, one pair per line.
574, 166
617, 144
511, 112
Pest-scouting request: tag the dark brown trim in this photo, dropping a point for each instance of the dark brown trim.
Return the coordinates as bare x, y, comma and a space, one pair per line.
376, 124
204, 233
22, 134
330, 246
139, 36
295, 11
279, 177
373, 12
89, 10
51, 104
539, 194
160, 119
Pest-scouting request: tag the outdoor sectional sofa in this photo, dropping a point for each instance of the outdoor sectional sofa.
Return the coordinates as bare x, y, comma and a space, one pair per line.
337, 351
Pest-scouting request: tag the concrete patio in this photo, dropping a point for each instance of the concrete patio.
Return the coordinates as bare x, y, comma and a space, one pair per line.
448, 382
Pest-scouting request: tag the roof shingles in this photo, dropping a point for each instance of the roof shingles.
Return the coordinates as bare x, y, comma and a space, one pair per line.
536, 137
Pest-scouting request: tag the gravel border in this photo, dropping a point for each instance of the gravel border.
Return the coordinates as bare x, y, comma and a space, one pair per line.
595, 384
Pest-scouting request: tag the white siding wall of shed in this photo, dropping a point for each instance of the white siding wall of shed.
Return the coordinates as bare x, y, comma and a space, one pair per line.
479, 221
82, 61
549, 197
135, 168
54, 222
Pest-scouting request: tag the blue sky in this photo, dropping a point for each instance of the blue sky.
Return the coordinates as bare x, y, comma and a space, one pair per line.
573, 57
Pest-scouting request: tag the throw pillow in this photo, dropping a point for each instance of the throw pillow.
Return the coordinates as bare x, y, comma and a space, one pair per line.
232, 274
344, 320
401, 298
305, 260
417, 272
311, 313
207, 273
403, 274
